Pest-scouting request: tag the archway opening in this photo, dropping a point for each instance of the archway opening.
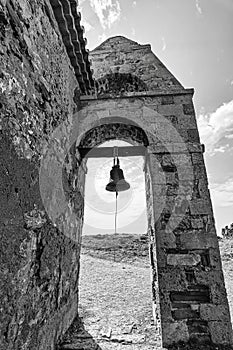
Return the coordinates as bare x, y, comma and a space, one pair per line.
116, 300
100, 205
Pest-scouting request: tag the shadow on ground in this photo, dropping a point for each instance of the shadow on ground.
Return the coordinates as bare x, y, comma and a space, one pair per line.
77, 338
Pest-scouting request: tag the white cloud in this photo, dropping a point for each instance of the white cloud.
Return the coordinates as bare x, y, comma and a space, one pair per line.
198, 7
221, 149
108, 11
80, 2
79, 6
164, 44
102, 37
222, 194
216, 127
84, 22
134, 3
87, 25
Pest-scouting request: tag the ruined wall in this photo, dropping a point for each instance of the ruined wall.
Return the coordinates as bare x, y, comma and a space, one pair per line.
38, 263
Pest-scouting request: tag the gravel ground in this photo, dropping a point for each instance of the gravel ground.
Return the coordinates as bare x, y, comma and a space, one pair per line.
115, 295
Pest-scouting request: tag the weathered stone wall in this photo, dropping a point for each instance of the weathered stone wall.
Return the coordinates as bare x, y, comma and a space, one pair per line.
124, 56
187, 275
39, 265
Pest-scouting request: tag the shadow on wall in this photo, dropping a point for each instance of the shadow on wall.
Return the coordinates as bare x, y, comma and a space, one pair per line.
77, 337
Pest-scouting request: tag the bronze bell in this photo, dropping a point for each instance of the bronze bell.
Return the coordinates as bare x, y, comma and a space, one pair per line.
117, 181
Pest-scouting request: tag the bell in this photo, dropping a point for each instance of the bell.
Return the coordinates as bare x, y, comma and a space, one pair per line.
117, 181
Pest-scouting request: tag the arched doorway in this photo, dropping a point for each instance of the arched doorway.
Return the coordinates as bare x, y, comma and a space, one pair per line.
116, 297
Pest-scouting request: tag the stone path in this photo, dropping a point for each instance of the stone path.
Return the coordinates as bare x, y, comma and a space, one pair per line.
115, 308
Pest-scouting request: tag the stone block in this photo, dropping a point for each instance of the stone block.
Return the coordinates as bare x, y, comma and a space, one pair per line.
180, 205
198, 240
174, 332
166, 239
185, 172
174, 147
210, 312
172, 279
186, 122
186, 313
200, 172
158, 176
221, 332
200, 207
167, 100
218, 290
170, 109
188, 108
202, 189
215, 279
191, 259
194, 147
183, 99
197, 159
182, 159
193, 135
197, 223
215, 259
173, 119
199, 332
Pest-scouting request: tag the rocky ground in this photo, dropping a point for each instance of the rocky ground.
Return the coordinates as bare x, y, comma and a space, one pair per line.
115, 295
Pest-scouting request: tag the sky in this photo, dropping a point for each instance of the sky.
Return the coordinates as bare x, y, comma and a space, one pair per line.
193, 38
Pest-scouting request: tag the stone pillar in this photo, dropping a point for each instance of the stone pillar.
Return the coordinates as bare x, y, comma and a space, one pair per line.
152, 248
190, 283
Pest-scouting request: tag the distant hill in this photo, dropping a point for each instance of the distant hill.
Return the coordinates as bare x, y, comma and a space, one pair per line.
125, 248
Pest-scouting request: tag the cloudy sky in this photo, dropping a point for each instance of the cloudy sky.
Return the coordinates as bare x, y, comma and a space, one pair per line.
193, 38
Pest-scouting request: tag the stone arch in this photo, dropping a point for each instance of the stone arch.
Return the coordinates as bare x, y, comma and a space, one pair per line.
180, 248
106, 132
118, 128
138, 115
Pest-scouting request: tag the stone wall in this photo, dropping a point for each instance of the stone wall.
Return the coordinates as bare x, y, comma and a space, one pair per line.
39, 265
189, 295
124, 56
188, 286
